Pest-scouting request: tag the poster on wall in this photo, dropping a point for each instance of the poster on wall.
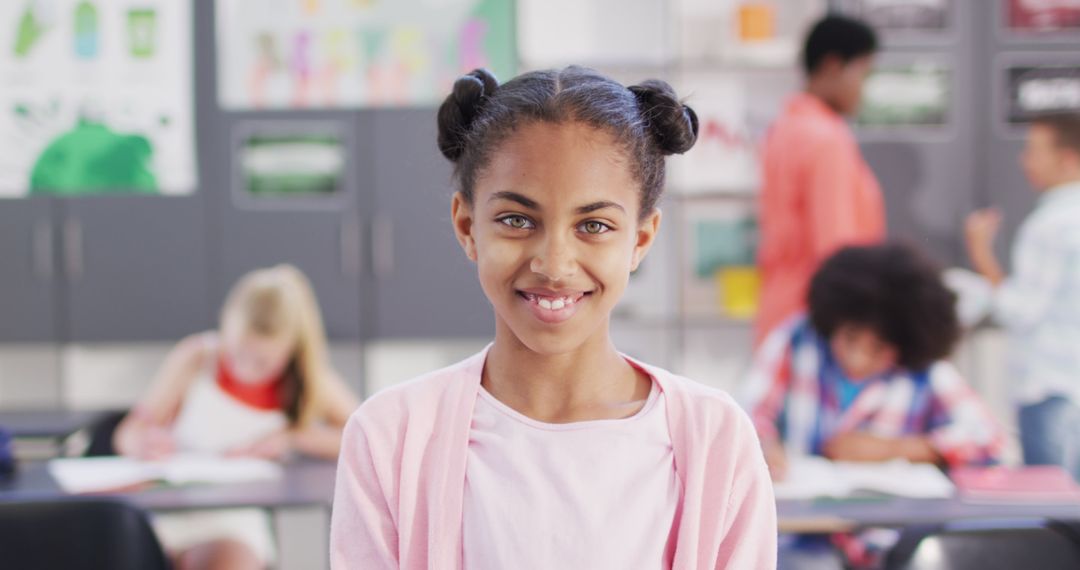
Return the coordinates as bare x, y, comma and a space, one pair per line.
725, 156
299, 54
906, 95
97, 97
1042, 16
1039, 89
900, 15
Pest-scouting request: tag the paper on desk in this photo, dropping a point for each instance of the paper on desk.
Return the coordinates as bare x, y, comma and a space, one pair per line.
811, 477
101, 474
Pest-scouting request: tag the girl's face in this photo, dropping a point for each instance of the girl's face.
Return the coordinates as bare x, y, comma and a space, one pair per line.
253, 358
555, 231
861, 352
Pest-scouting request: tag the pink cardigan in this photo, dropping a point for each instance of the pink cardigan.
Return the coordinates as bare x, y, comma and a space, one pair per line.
401, 477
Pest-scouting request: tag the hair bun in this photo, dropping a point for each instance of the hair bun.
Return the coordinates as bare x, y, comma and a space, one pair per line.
674, 126
460, 109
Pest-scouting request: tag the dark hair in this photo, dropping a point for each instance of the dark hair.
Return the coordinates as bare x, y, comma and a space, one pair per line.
1066, 127
840, 36
894, 290
646, 119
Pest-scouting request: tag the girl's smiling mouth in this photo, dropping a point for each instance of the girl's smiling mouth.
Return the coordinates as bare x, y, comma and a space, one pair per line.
553, 307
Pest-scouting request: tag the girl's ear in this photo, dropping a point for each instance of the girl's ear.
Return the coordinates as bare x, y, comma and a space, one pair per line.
461, 214
646, 235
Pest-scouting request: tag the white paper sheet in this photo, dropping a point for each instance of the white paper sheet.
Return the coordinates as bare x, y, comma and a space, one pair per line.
101, 474
812, 477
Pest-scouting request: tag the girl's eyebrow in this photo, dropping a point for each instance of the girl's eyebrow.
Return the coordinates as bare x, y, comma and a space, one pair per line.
589, 208
515, 197
532, 205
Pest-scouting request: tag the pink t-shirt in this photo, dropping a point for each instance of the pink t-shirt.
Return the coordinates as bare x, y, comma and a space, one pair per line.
399, 498
594, 494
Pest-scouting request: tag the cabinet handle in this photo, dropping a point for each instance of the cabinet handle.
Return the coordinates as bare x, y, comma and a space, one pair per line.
383, 246
349, 246
73, 249
43, 250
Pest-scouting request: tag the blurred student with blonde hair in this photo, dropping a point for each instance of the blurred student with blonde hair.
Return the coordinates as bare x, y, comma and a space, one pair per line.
260, 386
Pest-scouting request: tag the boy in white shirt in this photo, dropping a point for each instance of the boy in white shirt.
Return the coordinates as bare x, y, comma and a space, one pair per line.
1039, 303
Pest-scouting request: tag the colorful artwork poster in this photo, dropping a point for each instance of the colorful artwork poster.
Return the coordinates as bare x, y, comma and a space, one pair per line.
725, 156
299, 165
900, 15
97, 97
907, 95
299, 54
1042, 16
1035, 90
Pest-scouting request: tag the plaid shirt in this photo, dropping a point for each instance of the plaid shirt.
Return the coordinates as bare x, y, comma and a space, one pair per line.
1039, 304
794, 394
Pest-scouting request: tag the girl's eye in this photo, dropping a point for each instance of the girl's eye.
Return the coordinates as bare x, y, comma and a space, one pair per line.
595, 227
517, 222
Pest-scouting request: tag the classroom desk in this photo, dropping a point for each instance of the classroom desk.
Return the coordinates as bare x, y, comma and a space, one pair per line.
300, 502
823, 516
47, 424
304, 483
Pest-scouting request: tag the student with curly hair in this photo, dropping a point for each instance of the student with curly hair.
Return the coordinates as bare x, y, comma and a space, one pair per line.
862, 377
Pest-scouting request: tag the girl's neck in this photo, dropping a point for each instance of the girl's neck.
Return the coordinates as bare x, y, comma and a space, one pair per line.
590, 382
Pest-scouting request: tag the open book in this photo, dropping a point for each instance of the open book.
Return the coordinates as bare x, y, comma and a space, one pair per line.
812, 477
106, 474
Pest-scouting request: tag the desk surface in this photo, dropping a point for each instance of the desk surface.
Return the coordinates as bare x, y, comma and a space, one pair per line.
304, 483
838, 515
311, 483
47, 423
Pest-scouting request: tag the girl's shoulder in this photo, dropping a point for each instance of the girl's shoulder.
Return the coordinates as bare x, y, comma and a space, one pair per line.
424, 401
197, 350
696, 404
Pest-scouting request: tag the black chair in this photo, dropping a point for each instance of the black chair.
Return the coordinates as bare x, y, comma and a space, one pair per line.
988, 545
78, 534
101, 434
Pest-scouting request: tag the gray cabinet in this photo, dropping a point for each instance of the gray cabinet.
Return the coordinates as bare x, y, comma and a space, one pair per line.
28, 280
425, 287
135, 268
320, 236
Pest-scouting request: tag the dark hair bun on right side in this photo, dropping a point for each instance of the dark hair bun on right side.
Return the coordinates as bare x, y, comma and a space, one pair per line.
674, 126
460, 109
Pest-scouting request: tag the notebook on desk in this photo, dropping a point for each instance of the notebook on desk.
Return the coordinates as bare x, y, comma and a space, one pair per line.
817, 477
116, 474
1033, 484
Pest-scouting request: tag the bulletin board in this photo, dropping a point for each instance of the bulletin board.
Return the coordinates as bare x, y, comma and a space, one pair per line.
97, 97
303, 54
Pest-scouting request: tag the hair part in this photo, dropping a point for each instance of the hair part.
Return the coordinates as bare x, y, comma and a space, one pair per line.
647, 120
840, 36
1065, 126
894, 290
278, 302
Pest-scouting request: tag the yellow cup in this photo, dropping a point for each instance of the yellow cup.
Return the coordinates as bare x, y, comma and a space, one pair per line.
738, 290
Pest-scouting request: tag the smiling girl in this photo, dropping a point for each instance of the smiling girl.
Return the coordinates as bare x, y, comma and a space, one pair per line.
551, 449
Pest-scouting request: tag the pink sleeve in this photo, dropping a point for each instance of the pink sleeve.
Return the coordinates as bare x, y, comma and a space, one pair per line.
832, 197
751, 532
362, 530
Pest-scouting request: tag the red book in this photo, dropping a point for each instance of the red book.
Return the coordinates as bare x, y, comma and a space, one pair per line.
1033, 484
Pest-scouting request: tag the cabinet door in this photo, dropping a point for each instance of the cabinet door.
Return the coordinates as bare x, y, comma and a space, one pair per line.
28, 305
425, 286
135, 267
320, 235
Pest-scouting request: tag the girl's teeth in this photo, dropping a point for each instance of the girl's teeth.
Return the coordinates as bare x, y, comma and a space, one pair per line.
545, 304
557, 304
